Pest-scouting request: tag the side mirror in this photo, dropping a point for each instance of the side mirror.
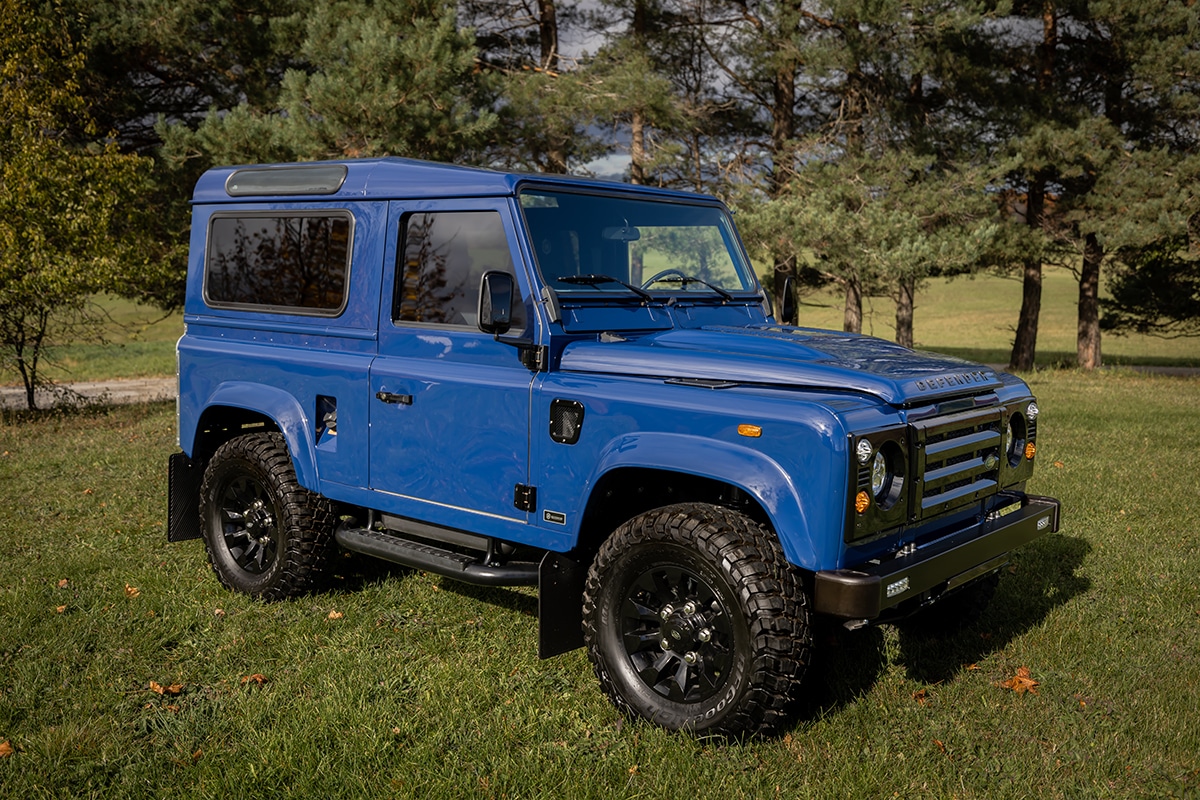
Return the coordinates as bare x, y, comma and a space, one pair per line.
496, 291
788, 310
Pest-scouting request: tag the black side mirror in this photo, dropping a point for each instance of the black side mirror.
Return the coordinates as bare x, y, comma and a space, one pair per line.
496, 291
788, 310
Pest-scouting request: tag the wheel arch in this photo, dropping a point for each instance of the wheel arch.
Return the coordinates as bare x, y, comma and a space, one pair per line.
239, 407
639, 472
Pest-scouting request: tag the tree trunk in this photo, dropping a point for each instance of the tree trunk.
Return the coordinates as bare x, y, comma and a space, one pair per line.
637, 148
1025, 342
556, 152
852, 315
1087, 340
904, 311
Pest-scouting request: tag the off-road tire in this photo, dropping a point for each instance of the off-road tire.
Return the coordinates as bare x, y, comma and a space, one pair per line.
746, 631
265, 535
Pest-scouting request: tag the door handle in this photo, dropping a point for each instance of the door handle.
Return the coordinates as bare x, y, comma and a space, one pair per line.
391, 397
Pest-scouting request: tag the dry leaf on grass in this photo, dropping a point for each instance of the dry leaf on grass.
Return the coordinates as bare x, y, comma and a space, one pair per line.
63, 583
171, 691
336, 615
60, 609
257, 678
1021, 682
6, 749
132, 591
921, 696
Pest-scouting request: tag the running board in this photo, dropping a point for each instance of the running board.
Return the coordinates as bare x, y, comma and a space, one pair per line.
429, 558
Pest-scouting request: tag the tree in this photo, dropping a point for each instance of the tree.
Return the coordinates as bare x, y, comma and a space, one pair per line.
65, 202
1156, 293
375, 79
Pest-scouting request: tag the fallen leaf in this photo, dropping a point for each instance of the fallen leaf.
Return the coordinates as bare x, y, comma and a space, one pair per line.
61, 609
63, 583
257, 678
1021, 682
196, 755
1059, 464
88, 491
132, 591
156, 687
921, 696
220, 612
940, 746
336, 615
6, 749
633, 770
972, 667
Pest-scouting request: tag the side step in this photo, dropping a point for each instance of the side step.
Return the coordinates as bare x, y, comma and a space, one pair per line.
429, 558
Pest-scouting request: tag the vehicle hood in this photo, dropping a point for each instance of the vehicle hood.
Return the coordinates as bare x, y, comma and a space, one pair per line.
785, 356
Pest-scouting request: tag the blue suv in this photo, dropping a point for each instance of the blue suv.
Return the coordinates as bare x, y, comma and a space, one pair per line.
543, 380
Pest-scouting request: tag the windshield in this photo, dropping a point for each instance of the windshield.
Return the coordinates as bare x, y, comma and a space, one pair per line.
657, 246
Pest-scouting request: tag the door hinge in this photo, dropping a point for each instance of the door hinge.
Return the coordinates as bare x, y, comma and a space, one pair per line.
535, 357
525, 497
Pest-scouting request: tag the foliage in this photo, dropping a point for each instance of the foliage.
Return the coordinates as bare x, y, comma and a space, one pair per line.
1157, 293
392, 79
65, 206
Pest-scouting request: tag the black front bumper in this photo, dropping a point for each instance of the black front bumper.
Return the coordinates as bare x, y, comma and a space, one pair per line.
866, 592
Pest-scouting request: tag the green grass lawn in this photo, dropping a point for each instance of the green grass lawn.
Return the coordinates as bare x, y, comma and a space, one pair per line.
974, 318
400, 684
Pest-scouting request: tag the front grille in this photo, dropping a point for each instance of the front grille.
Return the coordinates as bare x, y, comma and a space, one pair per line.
958, 459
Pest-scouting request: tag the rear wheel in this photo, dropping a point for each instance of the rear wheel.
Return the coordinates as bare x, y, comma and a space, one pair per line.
265, 534
693, 620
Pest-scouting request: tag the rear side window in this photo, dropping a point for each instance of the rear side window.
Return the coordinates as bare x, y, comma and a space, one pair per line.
283, 262
443, 256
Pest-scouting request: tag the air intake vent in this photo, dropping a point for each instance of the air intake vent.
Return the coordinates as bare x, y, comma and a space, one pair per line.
566, 421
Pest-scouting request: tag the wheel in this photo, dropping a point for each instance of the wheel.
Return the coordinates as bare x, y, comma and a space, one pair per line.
660, 275
693, 620
956, 610
265, 535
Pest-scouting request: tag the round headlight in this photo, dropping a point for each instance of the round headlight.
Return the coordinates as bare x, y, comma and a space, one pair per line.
1014, 440
863, 451
881, 475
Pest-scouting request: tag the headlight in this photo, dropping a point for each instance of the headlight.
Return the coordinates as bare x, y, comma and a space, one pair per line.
1014, 440
881, 476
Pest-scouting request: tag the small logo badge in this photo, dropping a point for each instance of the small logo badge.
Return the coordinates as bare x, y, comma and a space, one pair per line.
555, 517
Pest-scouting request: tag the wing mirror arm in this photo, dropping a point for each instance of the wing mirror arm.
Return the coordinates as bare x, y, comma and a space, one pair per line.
497, 295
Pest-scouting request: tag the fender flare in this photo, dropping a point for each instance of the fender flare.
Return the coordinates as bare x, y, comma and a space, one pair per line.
756, 474
287, 414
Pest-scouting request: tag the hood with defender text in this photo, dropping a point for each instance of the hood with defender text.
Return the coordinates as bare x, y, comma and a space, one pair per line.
780, 355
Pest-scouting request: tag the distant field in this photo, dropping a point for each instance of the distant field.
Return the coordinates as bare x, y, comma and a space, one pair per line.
968, 317
975, 317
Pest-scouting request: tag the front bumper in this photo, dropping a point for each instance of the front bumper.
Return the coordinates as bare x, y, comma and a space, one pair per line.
866, 592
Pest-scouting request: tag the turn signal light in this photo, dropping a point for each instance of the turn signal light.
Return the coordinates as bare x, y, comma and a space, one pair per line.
862, 501
1030, 451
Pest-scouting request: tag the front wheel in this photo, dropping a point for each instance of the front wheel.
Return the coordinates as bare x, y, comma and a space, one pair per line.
693, 620
265, 535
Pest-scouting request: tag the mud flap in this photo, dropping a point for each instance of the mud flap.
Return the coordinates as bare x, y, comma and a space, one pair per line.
183, 498
560, 605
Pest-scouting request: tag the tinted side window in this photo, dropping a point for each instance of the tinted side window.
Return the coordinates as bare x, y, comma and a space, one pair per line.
282, 262
442, 257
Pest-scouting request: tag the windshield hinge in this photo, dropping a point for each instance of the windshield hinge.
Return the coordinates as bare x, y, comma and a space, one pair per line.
525, 497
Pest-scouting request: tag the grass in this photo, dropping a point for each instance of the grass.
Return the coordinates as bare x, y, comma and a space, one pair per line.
974, 318
400, 684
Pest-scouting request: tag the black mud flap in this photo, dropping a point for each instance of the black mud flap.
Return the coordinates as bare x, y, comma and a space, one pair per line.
183, 499
560, 605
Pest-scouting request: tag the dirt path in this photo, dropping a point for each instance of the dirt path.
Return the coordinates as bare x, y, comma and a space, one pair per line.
134, 390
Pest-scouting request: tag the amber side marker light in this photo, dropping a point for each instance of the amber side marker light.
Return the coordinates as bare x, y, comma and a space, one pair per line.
753, 431
1030, 451
862, 501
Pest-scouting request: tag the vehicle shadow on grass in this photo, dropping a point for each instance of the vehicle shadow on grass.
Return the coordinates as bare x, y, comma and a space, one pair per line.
1043, 576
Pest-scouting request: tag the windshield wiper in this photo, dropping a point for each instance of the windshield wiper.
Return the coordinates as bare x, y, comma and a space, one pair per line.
686, 279
595, 280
